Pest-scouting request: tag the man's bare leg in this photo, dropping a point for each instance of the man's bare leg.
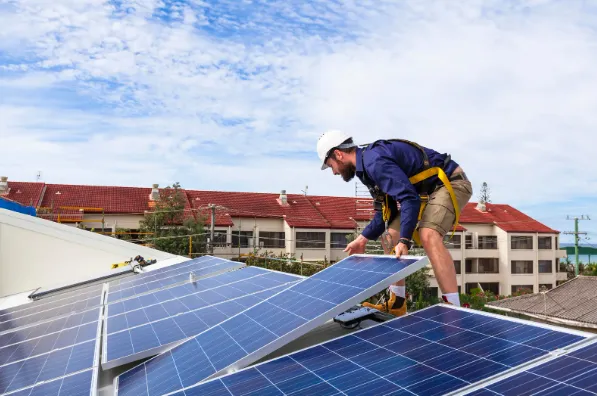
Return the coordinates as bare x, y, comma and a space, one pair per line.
395, 237
442, 263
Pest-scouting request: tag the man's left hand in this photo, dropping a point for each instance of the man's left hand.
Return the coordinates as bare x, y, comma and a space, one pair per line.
401, 250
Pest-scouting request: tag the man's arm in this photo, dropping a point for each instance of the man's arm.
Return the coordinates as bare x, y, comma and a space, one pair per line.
375, 228
392, 180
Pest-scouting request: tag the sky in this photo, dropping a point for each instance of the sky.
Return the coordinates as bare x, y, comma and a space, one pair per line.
232, 95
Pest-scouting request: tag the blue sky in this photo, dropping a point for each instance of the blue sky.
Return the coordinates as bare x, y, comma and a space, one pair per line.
233, 94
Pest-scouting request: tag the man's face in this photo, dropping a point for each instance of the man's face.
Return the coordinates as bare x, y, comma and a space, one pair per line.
341, 166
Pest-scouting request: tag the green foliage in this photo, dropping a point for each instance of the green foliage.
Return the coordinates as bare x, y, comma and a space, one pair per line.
124, 237
174, 229
284, 263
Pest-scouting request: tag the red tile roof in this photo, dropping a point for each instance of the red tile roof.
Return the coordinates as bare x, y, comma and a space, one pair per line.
300, 211
505, 217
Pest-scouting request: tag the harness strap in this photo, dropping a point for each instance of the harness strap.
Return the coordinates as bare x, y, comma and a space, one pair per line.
446, 180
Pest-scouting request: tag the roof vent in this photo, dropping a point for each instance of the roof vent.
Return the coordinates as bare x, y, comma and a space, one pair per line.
283, 199
155, 193
4, 185
482, 206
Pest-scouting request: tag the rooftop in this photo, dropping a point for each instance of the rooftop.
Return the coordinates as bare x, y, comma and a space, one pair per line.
573, 303
298, 210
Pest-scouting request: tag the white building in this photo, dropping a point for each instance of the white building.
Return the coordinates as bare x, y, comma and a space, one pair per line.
496, 247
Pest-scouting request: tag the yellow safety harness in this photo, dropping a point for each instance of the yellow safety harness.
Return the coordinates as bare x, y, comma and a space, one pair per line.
421, 177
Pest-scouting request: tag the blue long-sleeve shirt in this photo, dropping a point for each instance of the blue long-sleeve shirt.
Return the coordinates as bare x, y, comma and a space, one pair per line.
389, 165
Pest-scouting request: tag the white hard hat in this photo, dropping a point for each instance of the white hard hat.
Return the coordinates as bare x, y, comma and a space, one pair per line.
329, 140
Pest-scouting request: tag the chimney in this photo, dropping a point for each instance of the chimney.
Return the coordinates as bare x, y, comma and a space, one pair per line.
283, 199
155, 193
481, 206
4, 185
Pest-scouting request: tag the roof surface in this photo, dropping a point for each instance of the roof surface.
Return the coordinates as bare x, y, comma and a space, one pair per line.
300, 211
574, 300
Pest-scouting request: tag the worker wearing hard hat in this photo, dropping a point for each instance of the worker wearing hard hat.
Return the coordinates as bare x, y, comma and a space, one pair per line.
430, 189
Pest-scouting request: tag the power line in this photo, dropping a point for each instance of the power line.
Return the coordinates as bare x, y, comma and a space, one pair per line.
576, 234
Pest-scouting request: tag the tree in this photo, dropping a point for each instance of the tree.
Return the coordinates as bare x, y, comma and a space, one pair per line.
484, 193
175, 230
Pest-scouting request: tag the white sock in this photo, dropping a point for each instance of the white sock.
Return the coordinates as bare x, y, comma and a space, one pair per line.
453, 298
399, 291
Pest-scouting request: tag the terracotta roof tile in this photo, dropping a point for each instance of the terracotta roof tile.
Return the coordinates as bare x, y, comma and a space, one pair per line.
301, 211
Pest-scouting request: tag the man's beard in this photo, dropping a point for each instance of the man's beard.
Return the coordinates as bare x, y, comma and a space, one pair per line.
347, 171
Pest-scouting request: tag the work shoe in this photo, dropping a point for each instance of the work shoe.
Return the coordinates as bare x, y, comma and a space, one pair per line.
391, 306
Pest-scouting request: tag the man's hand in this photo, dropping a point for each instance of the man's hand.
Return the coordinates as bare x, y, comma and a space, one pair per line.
357, 246
401, 250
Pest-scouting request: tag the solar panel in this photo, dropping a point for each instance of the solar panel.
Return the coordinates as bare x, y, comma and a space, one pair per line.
65, 360
572, 373
50, 303
430, 352
267, 326
158, 321
149, 281
26, 317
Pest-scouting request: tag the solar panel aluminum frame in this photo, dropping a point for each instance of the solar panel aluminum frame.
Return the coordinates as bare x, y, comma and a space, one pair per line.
591, 339
421, 261
96, 355
106, 365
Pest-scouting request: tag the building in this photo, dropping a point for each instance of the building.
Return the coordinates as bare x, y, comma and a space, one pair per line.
496, 247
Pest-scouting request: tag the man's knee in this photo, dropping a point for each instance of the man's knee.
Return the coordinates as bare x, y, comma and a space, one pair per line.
430, 237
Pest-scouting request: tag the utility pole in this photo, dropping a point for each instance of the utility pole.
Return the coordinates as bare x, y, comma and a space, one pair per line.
212, 225
576, 234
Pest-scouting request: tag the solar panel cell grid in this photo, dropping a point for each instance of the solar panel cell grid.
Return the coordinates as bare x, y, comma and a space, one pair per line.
425, 353
72, 385
571, 374
265, 327
147, 331
153, 280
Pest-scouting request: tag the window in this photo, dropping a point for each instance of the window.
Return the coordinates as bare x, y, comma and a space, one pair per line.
220, 238
457, 265
310, 240
521, 242
522, 288
489, 266
545, 266
468, 241
242, 239
488, 242
272, 239
493, 287
453, 243
544, 243
547, 286
468, 266
338, 239
522, 266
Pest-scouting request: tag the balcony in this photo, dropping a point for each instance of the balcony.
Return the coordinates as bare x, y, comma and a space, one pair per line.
482, 253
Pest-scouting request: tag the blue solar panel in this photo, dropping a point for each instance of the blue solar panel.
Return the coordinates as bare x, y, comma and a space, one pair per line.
29, 364
571, 374
267, 326
18, 320
73, 385
146, 331
51, 302
430, 352
168, 276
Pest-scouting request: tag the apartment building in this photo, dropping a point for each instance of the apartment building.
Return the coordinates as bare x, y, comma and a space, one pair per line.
496, 247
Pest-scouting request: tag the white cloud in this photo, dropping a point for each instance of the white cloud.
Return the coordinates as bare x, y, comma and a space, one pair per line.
507, 87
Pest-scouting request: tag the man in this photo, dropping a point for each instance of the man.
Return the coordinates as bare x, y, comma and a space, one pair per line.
404, 173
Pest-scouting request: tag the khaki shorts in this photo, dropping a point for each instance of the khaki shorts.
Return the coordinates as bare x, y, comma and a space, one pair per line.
439, 212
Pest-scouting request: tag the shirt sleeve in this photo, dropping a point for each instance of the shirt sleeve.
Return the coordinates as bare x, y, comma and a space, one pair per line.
375, 228
393, 181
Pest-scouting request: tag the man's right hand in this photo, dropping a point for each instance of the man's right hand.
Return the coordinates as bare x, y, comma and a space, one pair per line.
357, 246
